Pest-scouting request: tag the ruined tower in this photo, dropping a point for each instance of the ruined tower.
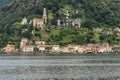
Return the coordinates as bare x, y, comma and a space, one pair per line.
45, 15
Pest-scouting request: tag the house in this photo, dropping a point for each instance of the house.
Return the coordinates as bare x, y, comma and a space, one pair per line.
9, 48
24, 21
55, 48
118, 34
28, 48
104, 48
73, 48
81, 49
64, 49
89, 48
117, 29
23, 42
95, 49
42, 48
40, 42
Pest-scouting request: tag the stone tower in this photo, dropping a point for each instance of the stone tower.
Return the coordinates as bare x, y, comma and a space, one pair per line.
45, 15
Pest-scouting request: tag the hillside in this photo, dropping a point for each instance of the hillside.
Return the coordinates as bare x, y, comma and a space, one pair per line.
93, 14
3, 2
97, 13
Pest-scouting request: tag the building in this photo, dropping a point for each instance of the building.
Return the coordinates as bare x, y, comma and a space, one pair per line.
105, 48
27, 49
117, 29
39, 23
23, 42
76, 23
73, 48
64, 49
24, 21
42, 48
44, 15
81, 49
9, 48
40, 43
55, 48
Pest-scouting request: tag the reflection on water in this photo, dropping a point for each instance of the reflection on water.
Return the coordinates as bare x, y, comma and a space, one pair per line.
82, 67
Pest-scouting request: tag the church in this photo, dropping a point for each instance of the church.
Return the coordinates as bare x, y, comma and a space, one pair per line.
37, 22
40, 23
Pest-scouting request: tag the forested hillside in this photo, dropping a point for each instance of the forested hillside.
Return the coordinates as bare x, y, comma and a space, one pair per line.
103, 14
96, 12
3, 2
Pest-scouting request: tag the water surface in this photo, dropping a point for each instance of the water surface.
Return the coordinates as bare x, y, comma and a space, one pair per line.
60, 67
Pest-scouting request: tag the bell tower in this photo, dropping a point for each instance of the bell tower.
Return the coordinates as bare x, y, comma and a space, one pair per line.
45, 15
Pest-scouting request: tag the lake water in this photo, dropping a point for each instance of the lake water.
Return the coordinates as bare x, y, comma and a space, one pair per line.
74, 67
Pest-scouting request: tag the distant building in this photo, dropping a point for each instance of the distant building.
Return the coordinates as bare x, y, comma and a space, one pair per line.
117, 29
118, 34
73, 48
41, 48
76, 23
40, 43
55, 48
81, 49
105, 48
23, 42
29, 48
67, 15
64, 49
24, 21
44, 15
9, 48
39, 23
58, 22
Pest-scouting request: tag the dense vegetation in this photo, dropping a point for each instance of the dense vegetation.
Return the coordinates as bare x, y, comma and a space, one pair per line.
103, 14
2, 2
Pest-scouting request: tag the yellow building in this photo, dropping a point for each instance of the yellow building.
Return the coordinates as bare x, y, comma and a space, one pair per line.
10, 48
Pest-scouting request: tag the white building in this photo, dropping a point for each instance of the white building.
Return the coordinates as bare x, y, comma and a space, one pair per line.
28, 49
55, 48
41, 48
117, 29
24, 21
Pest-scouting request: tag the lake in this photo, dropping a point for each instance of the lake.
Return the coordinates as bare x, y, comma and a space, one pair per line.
60, 67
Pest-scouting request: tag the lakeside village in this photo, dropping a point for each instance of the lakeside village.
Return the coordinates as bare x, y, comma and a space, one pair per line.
26, 46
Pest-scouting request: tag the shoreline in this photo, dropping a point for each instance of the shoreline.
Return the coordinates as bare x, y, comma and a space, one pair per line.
52, 53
